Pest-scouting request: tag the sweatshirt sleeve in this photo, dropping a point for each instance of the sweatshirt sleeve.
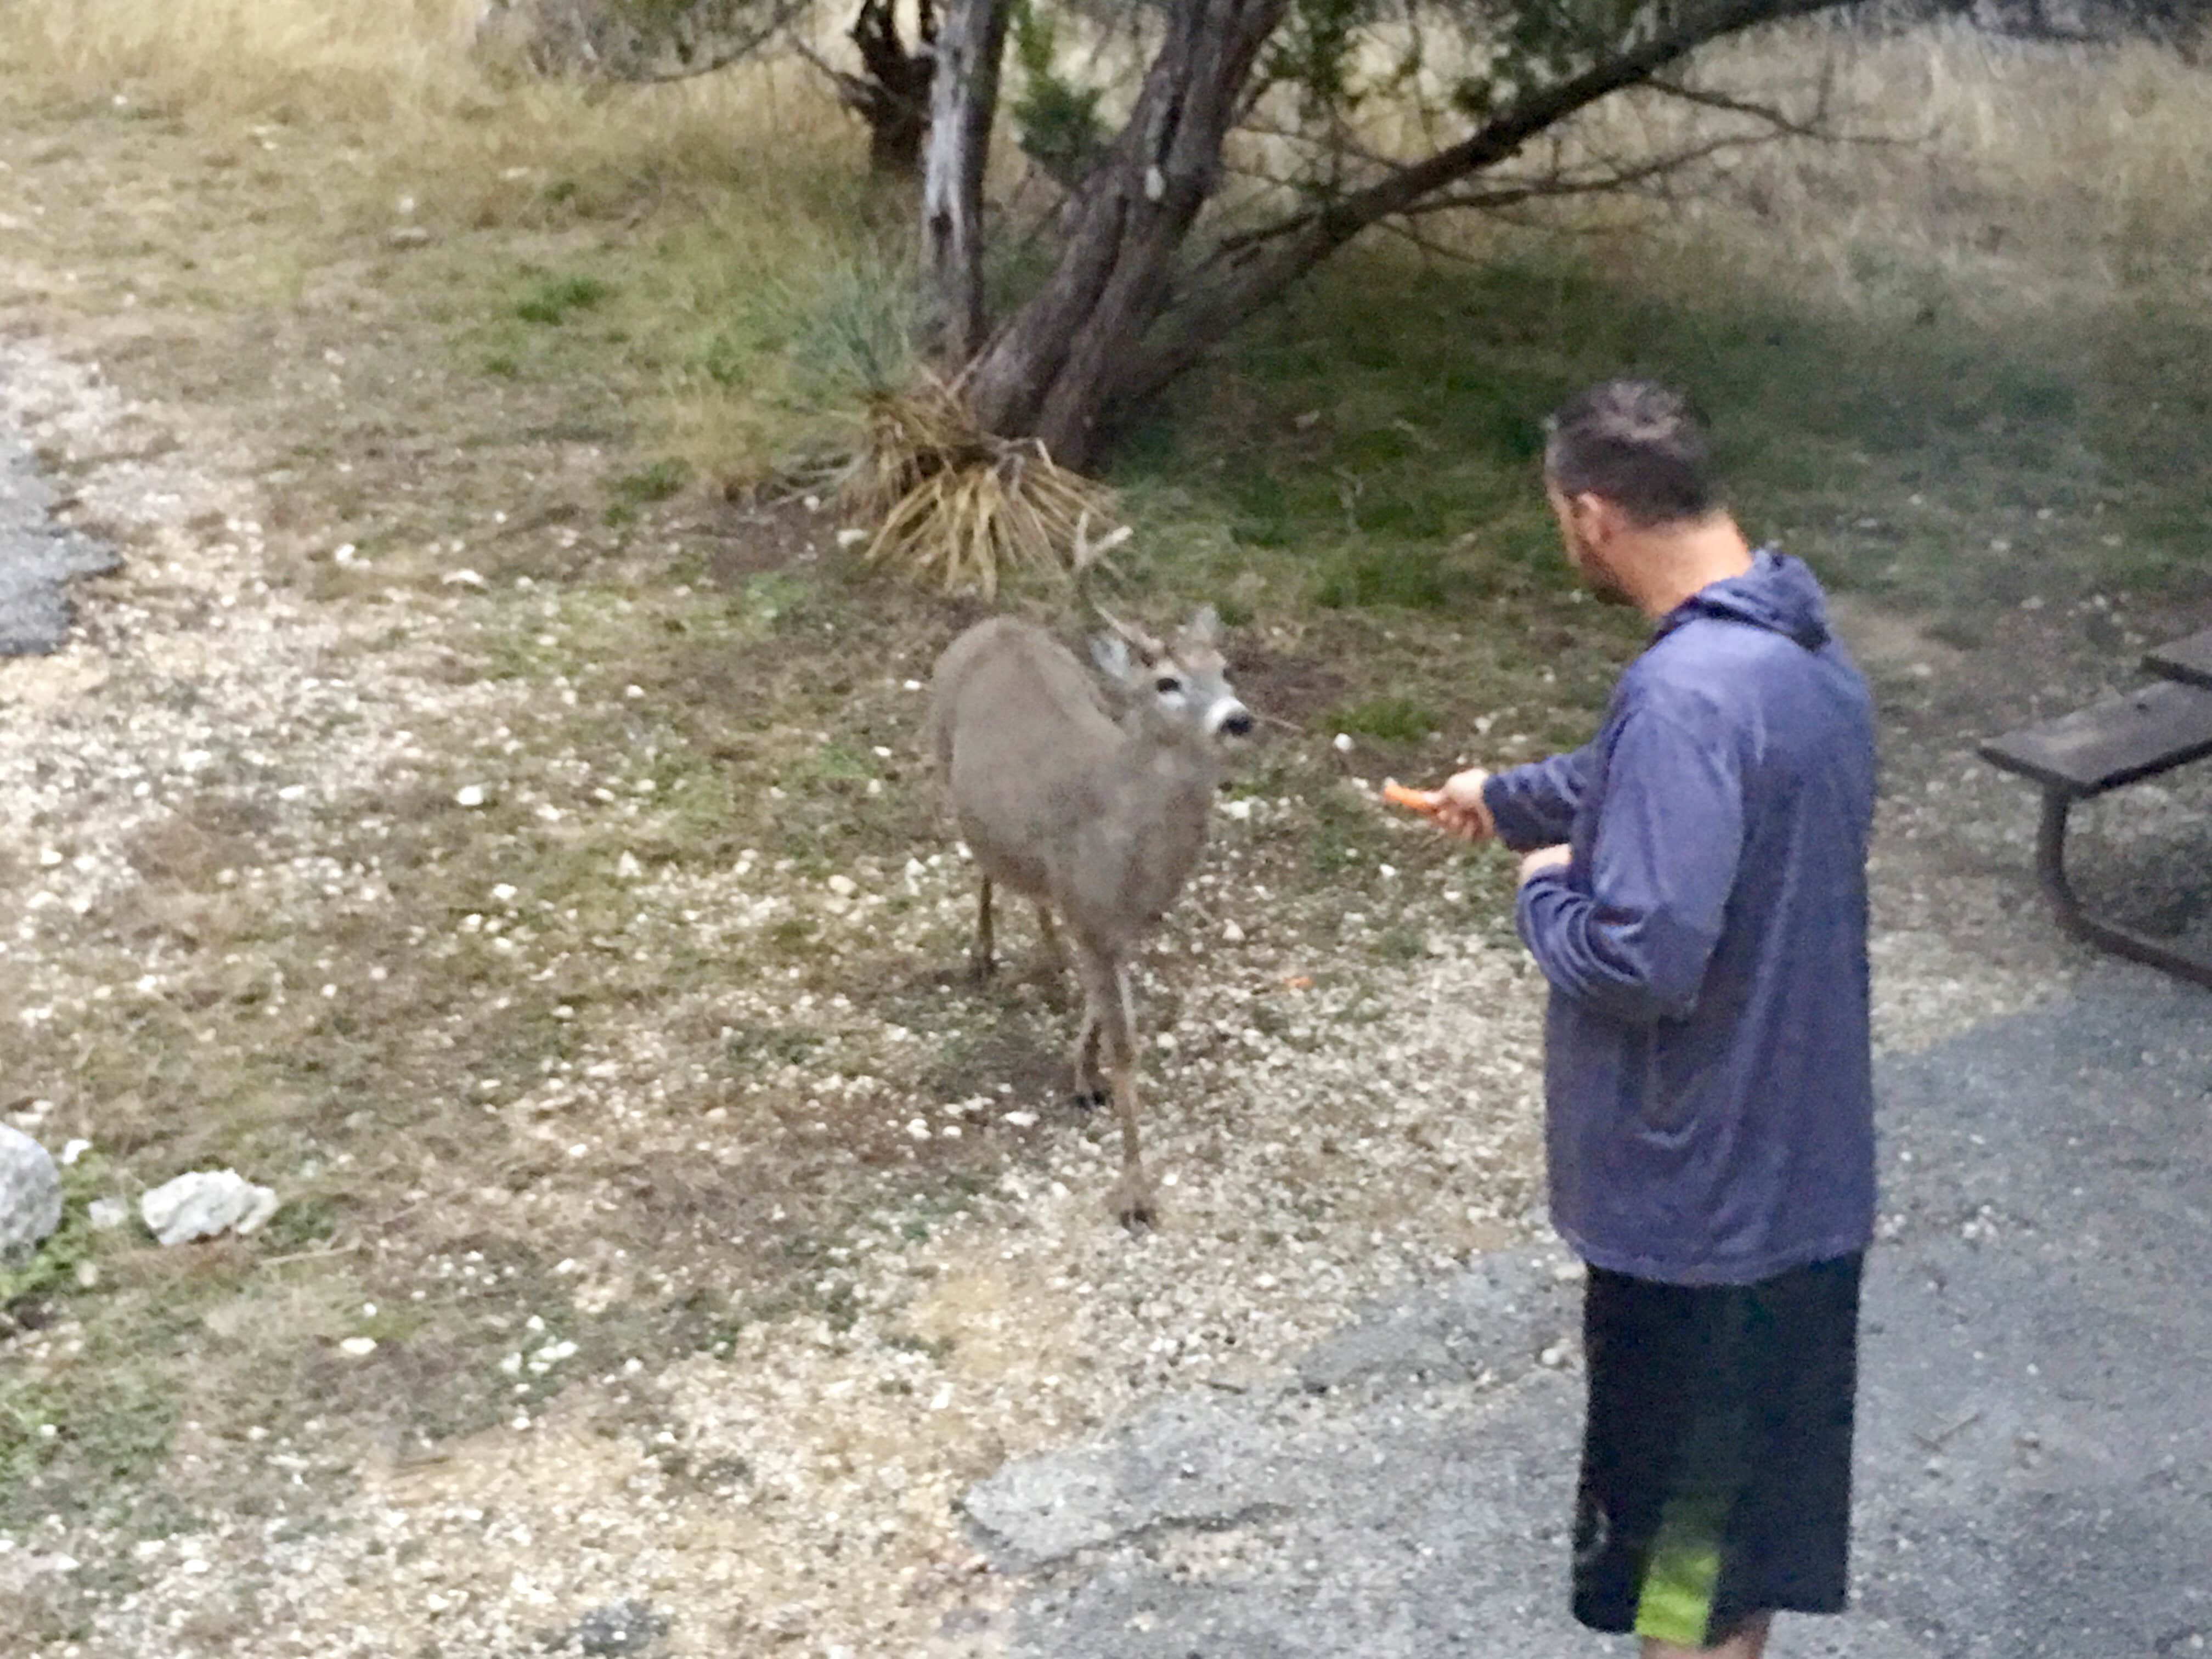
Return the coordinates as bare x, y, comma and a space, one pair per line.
1630, 936
1534, 805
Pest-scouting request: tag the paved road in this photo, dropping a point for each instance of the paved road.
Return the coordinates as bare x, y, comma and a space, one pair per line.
39, 558
2036, 1452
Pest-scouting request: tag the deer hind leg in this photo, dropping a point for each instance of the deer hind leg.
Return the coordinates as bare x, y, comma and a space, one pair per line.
982, 963
1089, 1088
1132, 1198
1055, 953
1096, 978
1056, 966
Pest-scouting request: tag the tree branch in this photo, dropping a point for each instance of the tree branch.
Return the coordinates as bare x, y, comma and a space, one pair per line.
1410, 231
852, 91
1784, 125
1597, 184
1264, 262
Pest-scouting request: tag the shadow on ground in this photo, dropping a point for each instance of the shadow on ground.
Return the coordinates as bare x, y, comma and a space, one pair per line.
39, 558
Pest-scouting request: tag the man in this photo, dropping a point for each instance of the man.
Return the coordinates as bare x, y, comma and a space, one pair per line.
1694, 886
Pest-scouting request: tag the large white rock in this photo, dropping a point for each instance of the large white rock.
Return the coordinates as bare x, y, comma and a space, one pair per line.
30, 1195
206, 1203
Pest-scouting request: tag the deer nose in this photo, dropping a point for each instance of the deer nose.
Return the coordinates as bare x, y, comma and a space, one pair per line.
1237, 722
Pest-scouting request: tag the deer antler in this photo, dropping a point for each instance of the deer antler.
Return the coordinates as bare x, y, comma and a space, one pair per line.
1089, 557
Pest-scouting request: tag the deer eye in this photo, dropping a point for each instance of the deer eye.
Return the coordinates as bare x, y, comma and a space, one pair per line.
1167, 685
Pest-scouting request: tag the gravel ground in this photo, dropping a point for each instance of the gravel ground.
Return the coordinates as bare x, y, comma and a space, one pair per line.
1323, 1145
2034, 1455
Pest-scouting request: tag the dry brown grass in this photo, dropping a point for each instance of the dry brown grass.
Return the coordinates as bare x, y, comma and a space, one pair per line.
2089, 156
956, 508
377, 62
2010, 171
399, 81
2011, 175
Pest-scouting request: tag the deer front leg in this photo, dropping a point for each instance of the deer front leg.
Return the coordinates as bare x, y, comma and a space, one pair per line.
982, 963
1132, 1198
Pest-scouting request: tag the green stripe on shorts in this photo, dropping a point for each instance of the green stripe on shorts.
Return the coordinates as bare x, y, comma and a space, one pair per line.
1676, 1600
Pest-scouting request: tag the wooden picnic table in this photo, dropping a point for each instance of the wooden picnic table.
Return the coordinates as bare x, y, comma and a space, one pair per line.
2188, 660
2120, 740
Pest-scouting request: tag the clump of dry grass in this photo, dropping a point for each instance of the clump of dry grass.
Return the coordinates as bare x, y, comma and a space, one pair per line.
957, 505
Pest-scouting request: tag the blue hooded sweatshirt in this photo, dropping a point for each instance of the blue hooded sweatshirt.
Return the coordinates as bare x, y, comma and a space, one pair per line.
1708, 1061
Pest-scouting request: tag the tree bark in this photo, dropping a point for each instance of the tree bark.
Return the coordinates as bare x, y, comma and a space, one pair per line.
1053, 370
1119, 318
894, 100
964, 102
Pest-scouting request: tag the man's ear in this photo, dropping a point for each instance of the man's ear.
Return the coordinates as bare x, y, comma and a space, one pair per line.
1596, 520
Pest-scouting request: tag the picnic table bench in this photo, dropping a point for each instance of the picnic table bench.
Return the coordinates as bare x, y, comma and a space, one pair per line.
2120, 740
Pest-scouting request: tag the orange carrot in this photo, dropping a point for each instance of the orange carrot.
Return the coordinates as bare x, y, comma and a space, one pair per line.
1426, 802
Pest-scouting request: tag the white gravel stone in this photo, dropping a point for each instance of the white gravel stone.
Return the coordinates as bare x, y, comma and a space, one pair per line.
204, 1204
108, 1213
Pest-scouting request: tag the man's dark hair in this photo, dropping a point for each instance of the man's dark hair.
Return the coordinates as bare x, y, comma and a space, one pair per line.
1637, 444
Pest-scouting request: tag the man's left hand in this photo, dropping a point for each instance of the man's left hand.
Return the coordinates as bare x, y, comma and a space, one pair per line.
1545, 858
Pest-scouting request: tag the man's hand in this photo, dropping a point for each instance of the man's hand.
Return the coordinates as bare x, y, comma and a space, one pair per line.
1545, 858
1461, 811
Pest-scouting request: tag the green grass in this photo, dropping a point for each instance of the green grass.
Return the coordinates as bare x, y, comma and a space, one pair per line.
1369, 447
1397, 718
552, 300
635, 492
1372, 443
822, 332
90, 1435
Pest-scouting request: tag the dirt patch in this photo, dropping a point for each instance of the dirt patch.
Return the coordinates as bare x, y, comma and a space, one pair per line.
1287, 687
753, 531
191, 848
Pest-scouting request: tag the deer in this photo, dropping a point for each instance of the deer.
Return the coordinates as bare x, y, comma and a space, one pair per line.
1090, 797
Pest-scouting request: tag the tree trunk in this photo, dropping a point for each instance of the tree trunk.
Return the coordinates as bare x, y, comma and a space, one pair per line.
1054, 370
893, 98
964, 101
1122, 314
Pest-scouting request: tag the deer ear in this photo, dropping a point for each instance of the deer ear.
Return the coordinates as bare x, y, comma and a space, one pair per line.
1111, 653
1204, 628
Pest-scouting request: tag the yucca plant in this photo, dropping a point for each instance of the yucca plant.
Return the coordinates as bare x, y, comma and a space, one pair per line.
954, 506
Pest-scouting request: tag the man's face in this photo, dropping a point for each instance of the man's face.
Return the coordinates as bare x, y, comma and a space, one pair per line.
1587, 531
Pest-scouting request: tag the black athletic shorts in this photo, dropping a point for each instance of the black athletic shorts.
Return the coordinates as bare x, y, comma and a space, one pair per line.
1717, 1464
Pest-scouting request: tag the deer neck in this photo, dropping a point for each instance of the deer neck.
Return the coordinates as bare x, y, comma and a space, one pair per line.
1174, 766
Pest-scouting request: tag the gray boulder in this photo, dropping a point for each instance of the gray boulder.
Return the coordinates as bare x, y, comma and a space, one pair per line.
30, 1195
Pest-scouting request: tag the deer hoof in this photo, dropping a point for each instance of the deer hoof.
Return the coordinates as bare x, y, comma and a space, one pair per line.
979, 968
1132, 1204
1089, 1100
